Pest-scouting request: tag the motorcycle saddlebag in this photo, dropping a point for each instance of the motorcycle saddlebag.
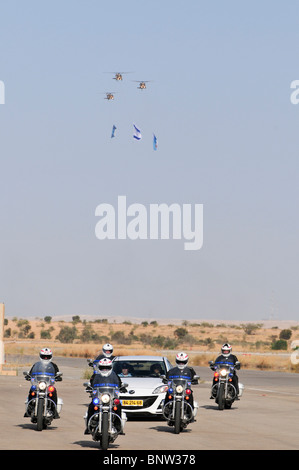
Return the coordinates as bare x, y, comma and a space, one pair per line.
241, 388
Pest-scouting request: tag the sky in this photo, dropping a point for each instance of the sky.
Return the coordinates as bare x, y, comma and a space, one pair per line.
218, 100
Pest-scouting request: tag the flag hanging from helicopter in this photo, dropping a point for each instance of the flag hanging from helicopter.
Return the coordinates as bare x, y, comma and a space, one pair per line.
137, 134
113, 131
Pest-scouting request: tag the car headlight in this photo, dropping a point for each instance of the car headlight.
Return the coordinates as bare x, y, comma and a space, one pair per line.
179, 389
105, 398
42, 385
223, 372
161, 389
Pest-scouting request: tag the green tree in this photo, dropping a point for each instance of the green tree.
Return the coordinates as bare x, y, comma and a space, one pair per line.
180, 333
76, 319
67, 334
7, 333
280, 344
285, 334
250, 328
45, 334
88, 335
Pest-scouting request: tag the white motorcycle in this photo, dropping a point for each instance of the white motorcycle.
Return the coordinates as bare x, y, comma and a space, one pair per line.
105, 422
177, 410
42, 404
223, 389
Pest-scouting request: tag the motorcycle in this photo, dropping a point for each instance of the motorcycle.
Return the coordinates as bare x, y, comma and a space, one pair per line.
40, 405
223, 389
177, 411
105, 424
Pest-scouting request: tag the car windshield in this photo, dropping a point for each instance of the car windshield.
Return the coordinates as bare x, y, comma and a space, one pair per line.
136, 368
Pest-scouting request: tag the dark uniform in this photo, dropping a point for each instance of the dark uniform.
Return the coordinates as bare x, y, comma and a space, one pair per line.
50, 369
177, 373
230, 360
98, 380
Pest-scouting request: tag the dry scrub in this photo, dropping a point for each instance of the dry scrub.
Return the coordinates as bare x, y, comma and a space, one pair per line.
252, 342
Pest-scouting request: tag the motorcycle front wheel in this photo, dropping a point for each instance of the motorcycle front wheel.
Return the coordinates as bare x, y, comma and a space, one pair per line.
221, 398
105, 435
40, 415
177, 417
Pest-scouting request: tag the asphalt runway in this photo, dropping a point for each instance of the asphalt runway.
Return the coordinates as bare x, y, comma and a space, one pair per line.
265, 418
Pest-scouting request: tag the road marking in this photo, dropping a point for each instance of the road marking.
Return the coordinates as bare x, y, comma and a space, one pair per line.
272, 391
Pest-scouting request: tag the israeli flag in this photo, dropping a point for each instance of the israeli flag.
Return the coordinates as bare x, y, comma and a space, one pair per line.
113, 131
137, 134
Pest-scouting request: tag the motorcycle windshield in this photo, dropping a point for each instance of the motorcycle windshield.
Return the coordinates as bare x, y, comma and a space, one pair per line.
105, 389
43, 372
224, 365
180, 381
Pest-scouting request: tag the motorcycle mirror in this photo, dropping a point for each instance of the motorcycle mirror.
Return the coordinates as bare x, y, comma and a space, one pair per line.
86, 384
26, 373
211, 362
196, 377
125, 385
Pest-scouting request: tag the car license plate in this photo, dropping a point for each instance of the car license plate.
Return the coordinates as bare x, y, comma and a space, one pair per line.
132, 402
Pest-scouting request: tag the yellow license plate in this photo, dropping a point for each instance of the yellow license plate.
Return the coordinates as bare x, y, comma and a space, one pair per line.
132, 402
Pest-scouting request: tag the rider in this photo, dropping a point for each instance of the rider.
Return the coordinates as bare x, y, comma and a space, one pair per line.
45, 357
105, 375
226, 357
181, 371
107, 351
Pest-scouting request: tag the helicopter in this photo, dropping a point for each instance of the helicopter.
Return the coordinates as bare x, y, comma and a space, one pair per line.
118, 76
109, 96
142, 85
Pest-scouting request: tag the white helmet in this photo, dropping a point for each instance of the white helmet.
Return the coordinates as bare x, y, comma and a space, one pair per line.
181, 360
226, 349
107, 350
105, 367
46, 355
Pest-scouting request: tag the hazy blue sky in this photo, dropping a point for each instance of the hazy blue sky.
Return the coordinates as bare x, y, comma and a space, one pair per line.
228, 134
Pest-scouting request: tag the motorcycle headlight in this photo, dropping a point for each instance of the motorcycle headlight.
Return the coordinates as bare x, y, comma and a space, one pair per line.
42, 385
161, 389
223, 372
179, 389
105, 398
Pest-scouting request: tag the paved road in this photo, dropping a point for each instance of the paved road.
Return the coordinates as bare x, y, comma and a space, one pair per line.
266, 417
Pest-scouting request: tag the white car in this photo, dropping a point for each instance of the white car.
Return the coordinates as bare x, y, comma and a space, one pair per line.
145, 390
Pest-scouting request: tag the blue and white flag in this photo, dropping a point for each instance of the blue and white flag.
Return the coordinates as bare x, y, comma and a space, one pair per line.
113, 131
137, 134
155, 142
